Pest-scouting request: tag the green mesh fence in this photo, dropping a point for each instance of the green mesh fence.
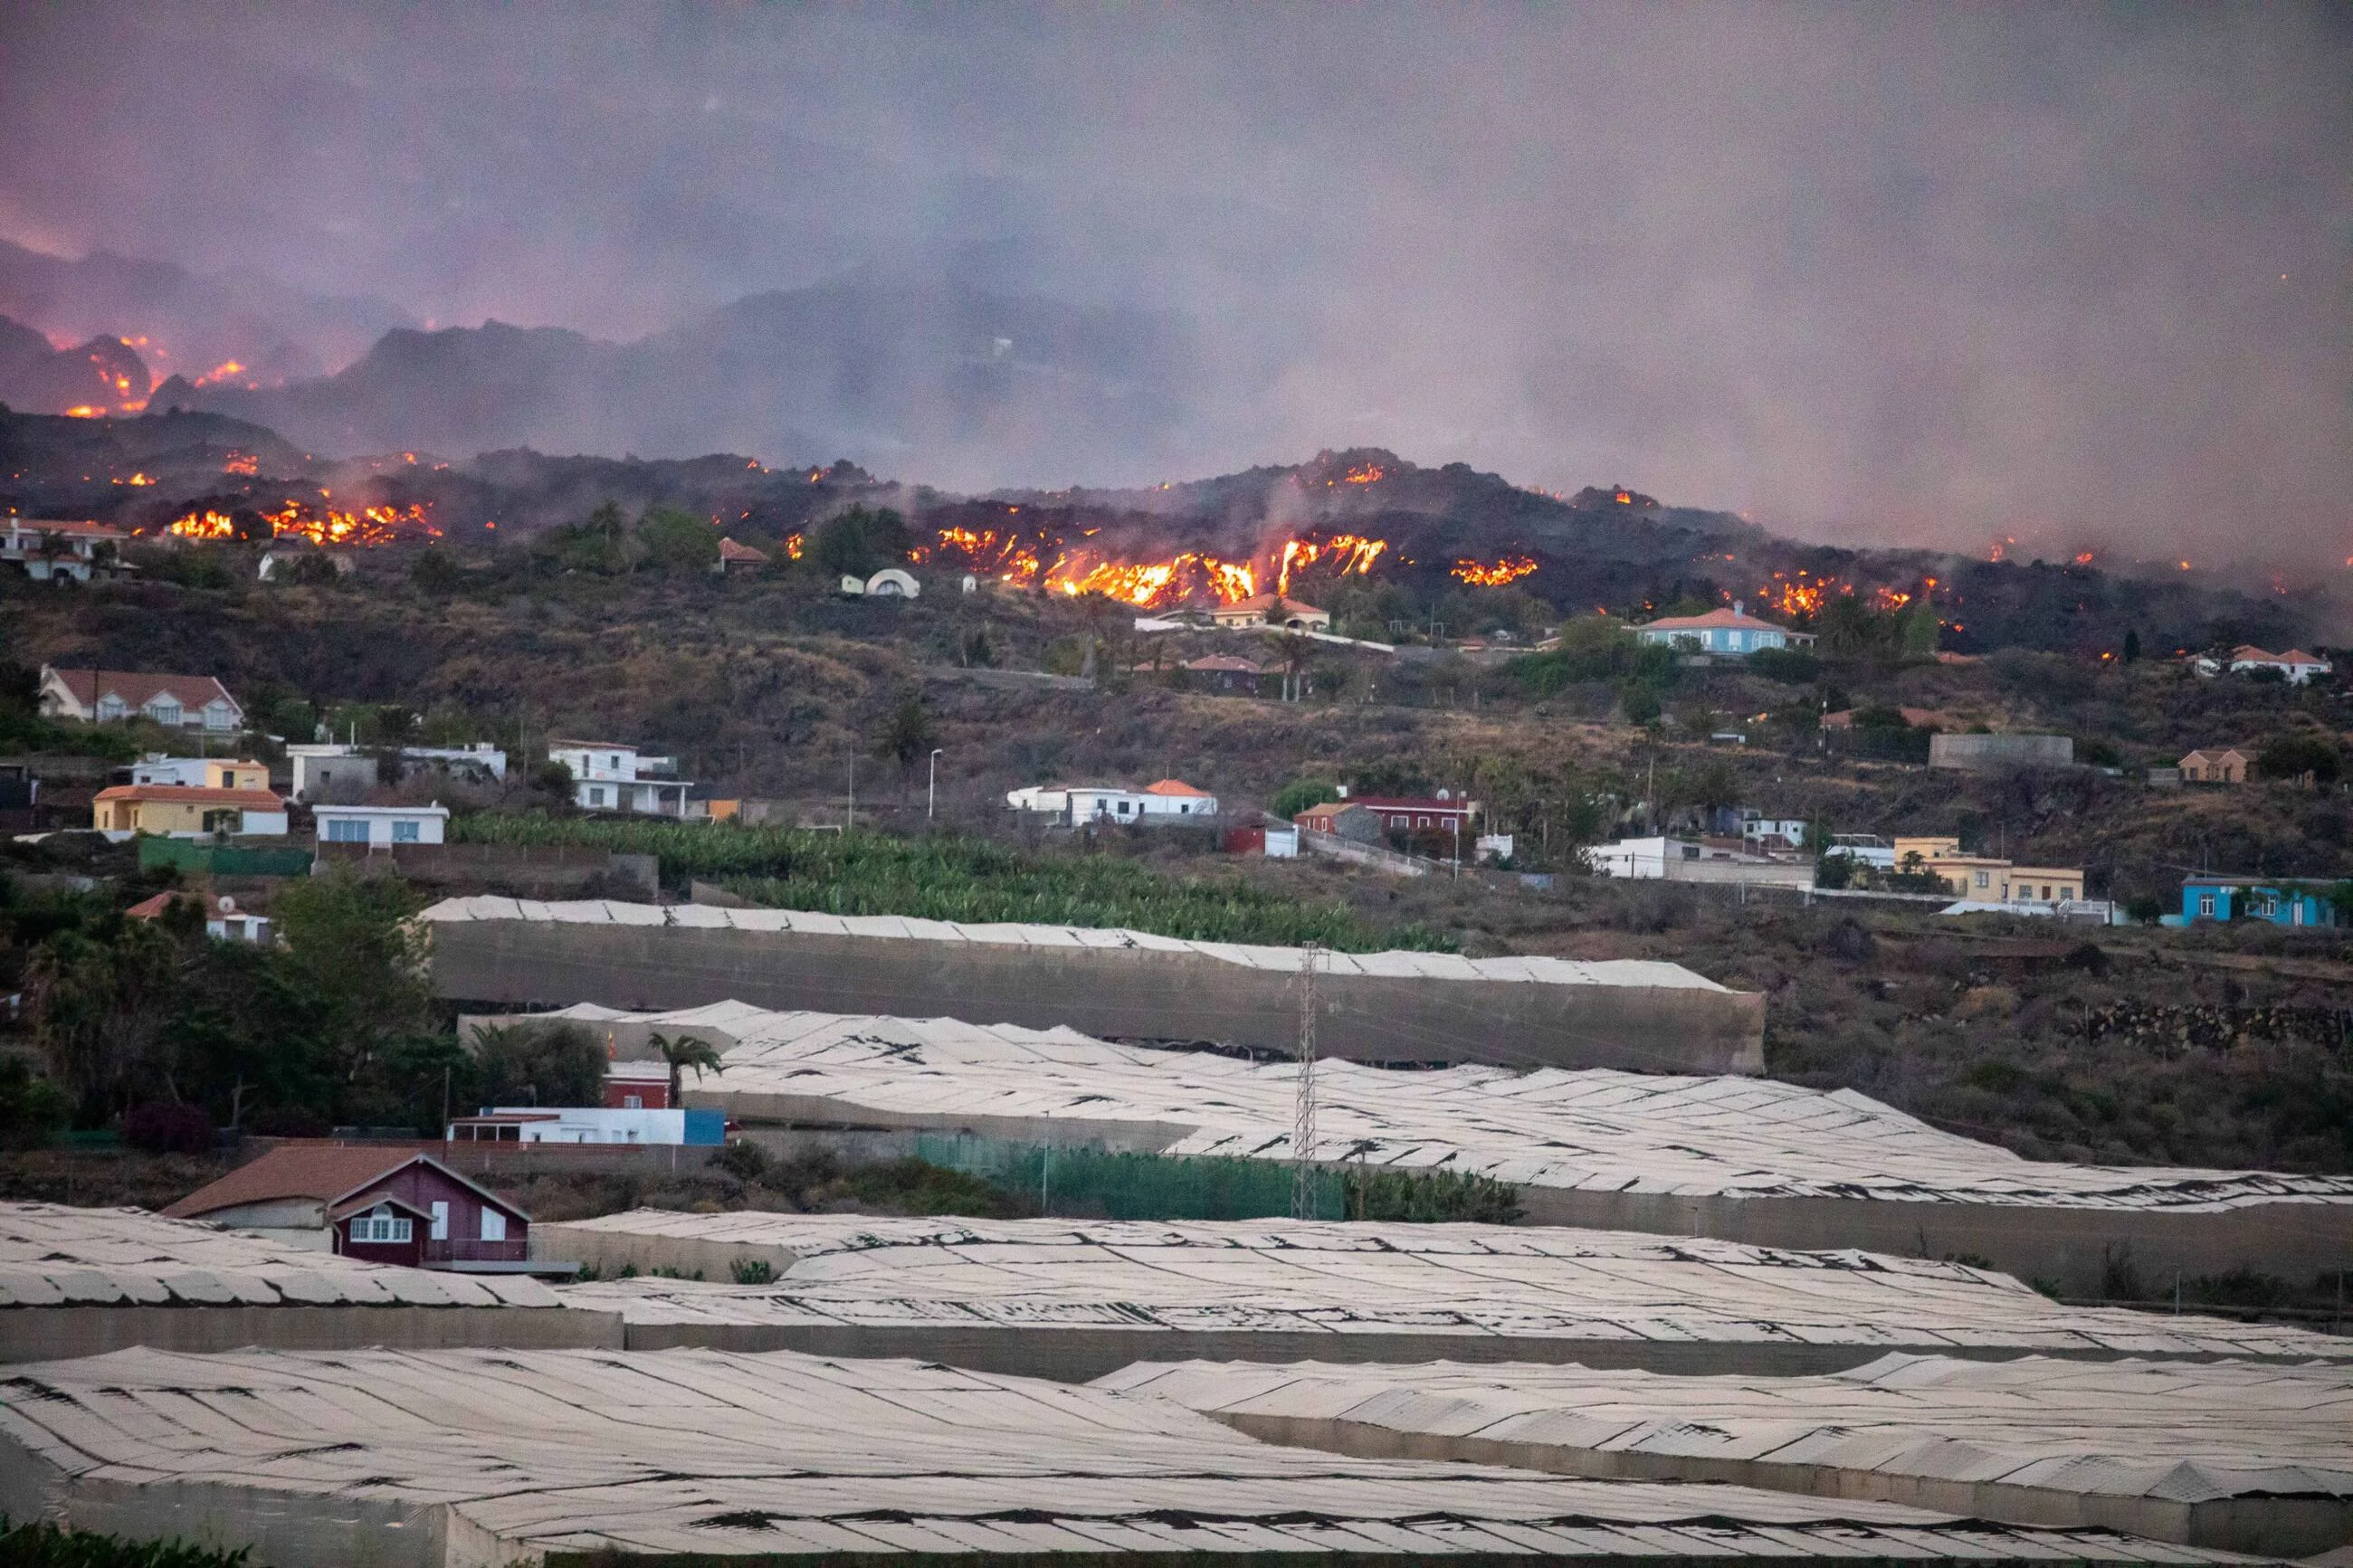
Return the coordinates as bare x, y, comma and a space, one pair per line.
222, 859
1095, 1183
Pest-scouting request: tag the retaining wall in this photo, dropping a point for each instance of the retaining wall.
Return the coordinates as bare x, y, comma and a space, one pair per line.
60, 1334
1120, 992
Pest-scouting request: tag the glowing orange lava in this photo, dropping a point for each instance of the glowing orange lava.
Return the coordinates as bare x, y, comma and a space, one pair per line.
368, 527
1482, 575
241, 463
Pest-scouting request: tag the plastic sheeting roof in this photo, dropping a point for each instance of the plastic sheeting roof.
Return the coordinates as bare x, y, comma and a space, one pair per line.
2174, 1431
1648, 972
1593, 1129
1291, 1276
698, 1451
51, 1256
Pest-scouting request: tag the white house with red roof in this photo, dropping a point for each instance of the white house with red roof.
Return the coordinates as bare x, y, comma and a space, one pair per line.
2295, 665
1170, 800
89, 694
52, 550
1734, 631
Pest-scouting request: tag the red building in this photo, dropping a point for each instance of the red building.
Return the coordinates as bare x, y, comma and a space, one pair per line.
637, 1086
386, 1206
1402, 813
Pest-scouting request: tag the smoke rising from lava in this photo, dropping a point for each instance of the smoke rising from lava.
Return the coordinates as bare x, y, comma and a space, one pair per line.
2076, 276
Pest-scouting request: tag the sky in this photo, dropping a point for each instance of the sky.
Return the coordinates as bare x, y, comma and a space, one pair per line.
1934, 274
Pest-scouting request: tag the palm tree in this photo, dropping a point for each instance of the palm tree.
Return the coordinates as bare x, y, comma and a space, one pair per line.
683, 1051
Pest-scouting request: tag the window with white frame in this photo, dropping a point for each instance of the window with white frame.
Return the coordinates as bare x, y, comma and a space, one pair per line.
404, 830
380, 1225
347, 830
596, 794
2206, 905
165, 710
494, 1224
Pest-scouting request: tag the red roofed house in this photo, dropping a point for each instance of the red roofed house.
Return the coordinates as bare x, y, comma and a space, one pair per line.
1226, 672
386, 1205
1268, 609
1175, 797
223, 919
51, 550
1732, 631
1401, 814
95, 695
734, 557
2297, 666
181, 811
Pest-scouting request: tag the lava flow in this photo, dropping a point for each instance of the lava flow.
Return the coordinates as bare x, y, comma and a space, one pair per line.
367, 528
1028, 561
1495, 575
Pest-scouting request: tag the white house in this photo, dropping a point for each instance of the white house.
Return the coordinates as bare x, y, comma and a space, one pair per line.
1734, 631
608, 777
1681, 861
1863, 848
1170, 800
52, 551
2297, 666
588, 1124
891, 582
93, 696
381, 826
324, 767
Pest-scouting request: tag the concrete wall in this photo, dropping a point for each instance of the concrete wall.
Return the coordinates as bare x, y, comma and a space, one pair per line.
2277, 1527
2067, 1246
1987, 753
58, 1333
1117, 992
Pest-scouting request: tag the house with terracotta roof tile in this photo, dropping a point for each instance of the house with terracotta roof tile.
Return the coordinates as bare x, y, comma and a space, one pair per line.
1272, 610
2295, 667
1734, 631
54, 549
179, 811
385, 1206
93, 695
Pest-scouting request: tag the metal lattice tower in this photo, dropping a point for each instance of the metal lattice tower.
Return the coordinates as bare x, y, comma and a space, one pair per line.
1302, 1131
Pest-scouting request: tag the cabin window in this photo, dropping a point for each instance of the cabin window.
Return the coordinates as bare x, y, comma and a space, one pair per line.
2206, 905
494, 1224
380, 1225
405, 831
347, 830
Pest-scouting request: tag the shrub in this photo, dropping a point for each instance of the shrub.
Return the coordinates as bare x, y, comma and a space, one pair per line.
744, 1161
753, 1271
1792, 666
47, 1546
31, 1107
167, 1127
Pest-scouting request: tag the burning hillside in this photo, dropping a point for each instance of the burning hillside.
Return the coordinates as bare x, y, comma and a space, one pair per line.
363, 527
1041, 550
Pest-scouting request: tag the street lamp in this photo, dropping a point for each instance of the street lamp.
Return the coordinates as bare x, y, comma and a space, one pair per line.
932, 789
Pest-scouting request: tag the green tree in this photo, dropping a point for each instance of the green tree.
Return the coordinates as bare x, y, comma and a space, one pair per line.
31, 1107
908, 735
675, 540
354, 950
2294, 757
101, 1002
1301, 794
538, 1064
681, 1052
859, 542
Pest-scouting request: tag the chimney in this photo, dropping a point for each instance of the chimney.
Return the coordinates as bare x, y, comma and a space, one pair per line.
1343, 789
1739, 606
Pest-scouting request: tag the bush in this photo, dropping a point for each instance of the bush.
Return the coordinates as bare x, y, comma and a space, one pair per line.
47, 1546
753, 1271
746, 1162
1792, 666
31, 1107
167, 1127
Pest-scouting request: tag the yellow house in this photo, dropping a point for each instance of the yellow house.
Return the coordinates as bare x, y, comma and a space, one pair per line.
1983, 880
2041, 884
236, 776
180, 811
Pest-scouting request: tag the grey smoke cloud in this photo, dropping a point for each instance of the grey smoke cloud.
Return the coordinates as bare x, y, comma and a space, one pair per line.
1931, 274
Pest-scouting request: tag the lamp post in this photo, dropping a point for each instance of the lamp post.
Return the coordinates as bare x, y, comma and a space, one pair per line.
932, 788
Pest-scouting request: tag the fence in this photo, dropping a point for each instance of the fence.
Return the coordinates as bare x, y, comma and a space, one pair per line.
1371, 855
1096, 1184
192, 855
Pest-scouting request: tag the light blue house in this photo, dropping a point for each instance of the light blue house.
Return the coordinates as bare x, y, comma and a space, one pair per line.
1734, 631
2281, 901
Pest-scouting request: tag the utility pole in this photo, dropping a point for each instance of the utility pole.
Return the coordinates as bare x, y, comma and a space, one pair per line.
849, 820
932, 789
1302, 1131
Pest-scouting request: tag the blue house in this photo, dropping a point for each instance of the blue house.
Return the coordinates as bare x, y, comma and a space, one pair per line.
1732, 631
2282, 901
